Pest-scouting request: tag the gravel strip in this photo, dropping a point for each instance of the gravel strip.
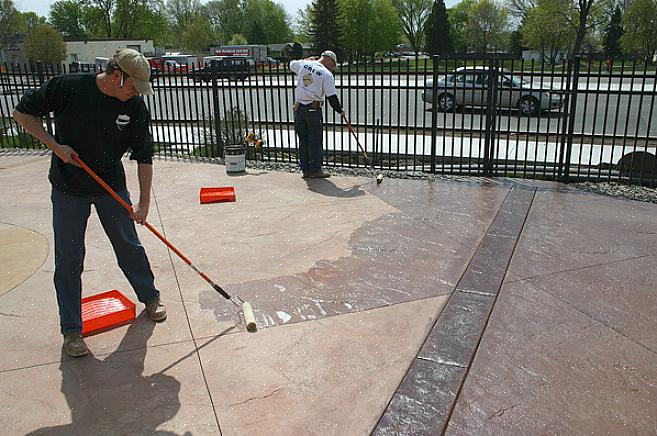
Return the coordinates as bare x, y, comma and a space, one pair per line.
638, 193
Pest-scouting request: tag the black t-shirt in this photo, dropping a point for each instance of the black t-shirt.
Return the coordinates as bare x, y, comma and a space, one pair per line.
98, 127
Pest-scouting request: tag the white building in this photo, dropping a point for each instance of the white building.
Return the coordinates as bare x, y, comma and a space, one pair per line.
86, 52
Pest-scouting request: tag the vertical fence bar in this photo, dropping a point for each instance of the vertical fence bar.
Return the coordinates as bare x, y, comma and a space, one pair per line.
434, 110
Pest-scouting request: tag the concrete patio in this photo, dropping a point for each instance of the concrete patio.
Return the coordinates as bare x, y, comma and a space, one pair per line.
469, 307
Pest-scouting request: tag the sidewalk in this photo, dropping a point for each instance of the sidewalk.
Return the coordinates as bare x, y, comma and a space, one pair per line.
411, 307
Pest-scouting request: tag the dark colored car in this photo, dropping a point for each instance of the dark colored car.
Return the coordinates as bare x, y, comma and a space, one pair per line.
229, 67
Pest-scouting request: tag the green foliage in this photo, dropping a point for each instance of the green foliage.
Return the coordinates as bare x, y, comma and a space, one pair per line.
369, 26
226, 18
267, 23
10, 20
197, 35
458, 17
487, 26
30, 21
414, 15
303, 24
547, 30
45, 44
324, 27
238, 39
640, 24
613, 33
439, 38
67, 17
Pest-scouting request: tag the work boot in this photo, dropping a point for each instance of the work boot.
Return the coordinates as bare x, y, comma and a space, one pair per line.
317, 175
156, 310
74, 345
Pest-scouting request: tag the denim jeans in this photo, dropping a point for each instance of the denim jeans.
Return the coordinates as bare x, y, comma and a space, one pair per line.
309, 130
70, 216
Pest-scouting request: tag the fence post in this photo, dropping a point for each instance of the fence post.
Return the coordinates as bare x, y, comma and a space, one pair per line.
41, 78
434, 111
571, 118
490, 113
217, 109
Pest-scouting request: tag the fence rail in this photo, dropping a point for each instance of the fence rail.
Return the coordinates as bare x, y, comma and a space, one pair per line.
472, 115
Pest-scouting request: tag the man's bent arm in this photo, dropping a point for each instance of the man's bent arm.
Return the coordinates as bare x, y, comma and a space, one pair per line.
34, 126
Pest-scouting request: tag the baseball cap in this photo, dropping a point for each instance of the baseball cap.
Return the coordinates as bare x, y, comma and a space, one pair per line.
330, 54
135, 65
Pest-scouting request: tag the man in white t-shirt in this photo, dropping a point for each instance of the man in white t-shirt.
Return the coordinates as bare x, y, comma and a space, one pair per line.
314, 81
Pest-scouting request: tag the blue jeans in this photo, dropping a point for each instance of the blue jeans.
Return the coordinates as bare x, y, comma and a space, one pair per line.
70, 216
309, 130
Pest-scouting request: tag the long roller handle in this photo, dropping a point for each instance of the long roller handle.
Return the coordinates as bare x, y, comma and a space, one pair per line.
127, 207
351, 129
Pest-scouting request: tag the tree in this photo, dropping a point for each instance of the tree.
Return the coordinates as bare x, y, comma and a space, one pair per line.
487, 25
547, 30
325, 32
45, 44
267, 23
197, 35
613, 33
413, 15
31, 20
303, 23
226, 17
588, 16
181, 14
99, 12
520, 8
10, 21
66, 17
640, 24
238, 39
458, 17
439, 38
515, 43
369, 25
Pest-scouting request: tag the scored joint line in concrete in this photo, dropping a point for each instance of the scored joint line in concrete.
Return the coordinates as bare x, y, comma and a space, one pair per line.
425, 399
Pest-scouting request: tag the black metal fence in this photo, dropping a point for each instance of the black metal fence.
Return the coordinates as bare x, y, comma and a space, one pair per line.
486, 115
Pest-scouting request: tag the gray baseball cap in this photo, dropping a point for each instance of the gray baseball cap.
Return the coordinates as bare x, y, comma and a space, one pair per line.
135, 65
330, 54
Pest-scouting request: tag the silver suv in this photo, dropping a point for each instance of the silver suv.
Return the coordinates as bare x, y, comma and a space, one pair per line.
467, 86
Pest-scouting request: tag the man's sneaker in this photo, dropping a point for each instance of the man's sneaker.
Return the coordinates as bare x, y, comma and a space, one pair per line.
74, 345
316, 175
156, 310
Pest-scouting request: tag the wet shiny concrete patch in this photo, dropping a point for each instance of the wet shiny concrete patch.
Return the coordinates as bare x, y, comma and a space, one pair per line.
424, 401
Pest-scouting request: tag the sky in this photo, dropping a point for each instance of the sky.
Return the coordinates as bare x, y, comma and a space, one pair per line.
42, 7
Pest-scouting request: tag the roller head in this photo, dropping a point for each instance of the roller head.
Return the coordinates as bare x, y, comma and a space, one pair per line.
249, 318
379, 178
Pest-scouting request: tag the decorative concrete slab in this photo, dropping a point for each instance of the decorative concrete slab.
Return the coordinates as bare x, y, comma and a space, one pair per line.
23, 252
543, 367
332, 376
121, 393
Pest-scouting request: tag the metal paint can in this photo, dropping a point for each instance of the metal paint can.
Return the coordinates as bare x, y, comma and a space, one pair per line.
235, 158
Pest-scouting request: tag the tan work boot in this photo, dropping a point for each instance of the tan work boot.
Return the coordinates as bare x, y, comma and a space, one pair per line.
74, 345
156, 310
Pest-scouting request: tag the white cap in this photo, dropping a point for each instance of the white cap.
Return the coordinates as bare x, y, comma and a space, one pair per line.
330, 54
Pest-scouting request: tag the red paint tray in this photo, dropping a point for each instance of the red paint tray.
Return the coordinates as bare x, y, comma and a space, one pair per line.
217, 195
105, 310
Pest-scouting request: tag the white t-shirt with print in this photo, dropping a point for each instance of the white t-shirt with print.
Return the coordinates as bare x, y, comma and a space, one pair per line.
314, 81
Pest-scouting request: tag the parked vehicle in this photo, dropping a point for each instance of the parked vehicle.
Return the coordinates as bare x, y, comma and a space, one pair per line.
229, 67
167, 65
467, 86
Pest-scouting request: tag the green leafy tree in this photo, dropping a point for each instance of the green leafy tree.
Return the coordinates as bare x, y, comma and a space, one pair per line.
181, 14
547, 30
45, 44
226, 18
439, 38
414, 15
31, 20
325, 31
369, 26
267, 23
458, 17
640, 24
238, 39
589, 14
197, 35
613, 33
515, 43
303, 23
99, 15
10, 21
67, 17
487, 25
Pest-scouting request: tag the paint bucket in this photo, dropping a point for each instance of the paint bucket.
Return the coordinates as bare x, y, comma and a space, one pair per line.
235, 158
217, 195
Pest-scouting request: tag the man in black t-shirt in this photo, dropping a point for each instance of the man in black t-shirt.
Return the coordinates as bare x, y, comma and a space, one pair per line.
98, 118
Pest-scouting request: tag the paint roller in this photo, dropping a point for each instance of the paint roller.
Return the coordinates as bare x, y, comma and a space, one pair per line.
247, 310
379, 177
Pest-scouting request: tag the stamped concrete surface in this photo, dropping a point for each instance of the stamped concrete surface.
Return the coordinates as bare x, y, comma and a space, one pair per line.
507, 307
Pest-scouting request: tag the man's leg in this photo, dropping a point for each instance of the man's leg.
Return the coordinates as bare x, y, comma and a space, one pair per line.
70, 215
129, 252
316, 141
301, 129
